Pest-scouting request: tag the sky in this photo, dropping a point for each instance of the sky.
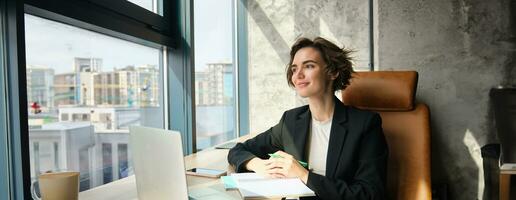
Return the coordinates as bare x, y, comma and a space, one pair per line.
213, 24
147, 4
54, 45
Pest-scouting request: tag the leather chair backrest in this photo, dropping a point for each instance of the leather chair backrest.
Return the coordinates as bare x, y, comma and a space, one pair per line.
406, 126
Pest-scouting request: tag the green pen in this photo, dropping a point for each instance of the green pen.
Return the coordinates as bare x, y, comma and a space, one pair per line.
304, 164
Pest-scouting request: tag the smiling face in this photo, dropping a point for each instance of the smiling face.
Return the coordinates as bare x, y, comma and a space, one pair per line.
308, 73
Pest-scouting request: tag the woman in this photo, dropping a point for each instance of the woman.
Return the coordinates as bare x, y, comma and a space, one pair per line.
345, 147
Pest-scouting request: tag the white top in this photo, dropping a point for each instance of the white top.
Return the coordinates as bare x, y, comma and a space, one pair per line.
318, 148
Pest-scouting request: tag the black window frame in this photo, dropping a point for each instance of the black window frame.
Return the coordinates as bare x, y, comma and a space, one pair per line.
117, 18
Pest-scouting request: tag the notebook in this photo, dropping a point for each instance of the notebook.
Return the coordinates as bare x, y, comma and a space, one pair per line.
252, 185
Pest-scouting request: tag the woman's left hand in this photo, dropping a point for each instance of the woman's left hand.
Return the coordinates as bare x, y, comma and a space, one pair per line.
288, 166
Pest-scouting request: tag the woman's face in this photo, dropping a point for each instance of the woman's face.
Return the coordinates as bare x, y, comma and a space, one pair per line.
308, 73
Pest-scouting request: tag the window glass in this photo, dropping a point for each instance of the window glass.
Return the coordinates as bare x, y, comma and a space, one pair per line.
84, 90
107, 164
154, 6
5, 154
123, 161
214, 72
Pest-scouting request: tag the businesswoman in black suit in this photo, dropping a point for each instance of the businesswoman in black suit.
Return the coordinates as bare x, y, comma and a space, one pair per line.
345, 147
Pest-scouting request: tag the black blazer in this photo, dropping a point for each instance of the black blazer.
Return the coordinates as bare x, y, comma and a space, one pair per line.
356, 164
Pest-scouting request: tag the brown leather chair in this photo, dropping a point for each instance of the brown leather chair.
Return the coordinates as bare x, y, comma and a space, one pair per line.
406, 126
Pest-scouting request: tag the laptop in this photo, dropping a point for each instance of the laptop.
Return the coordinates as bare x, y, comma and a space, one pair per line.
158, 163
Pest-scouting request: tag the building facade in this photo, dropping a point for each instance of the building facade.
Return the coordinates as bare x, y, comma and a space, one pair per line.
40, 88
214, 86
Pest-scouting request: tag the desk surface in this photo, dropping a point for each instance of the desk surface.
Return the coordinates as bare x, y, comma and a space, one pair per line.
198, 187
508, 168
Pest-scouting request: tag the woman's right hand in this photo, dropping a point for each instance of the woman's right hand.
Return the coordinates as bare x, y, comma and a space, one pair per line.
263, 167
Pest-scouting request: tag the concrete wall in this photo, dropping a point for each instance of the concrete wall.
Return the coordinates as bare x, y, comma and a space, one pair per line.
461, 49
273, 26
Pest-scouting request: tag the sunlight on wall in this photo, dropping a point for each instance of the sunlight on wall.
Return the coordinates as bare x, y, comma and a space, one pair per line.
474, 150
326, 33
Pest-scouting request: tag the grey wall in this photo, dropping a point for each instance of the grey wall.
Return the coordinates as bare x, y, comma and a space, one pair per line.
273, 26
461, 49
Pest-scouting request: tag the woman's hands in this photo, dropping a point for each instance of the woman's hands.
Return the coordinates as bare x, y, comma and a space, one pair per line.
284, 166
262, 167
288, 166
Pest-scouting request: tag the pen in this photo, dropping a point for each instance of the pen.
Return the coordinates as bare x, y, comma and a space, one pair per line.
304, 164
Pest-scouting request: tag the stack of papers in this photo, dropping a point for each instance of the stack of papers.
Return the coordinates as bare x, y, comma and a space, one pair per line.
252, 185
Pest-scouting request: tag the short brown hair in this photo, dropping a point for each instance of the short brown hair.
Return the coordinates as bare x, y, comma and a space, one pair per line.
337, 60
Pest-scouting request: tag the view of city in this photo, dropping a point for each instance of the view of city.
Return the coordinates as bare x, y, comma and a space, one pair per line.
85, 89
214, 101
79, 120
215, 119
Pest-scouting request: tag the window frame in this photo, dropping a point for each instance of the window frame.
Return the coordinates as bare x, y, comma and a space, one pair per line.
372, 50
5, 188
180, 82
241, 69
17, 160
151, 30
135, 24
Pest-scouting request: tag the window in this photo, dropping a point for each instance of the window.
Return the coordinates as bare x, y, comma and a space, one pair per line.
107, 164
214, 72
119, 19
56, 155
64, 117
103, 84
85, 179
45, 155
155, 6
123, 161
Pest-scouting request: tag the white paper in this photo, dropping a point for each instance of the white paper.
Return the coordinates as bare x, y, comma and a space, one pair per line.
252, 185
243, 176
